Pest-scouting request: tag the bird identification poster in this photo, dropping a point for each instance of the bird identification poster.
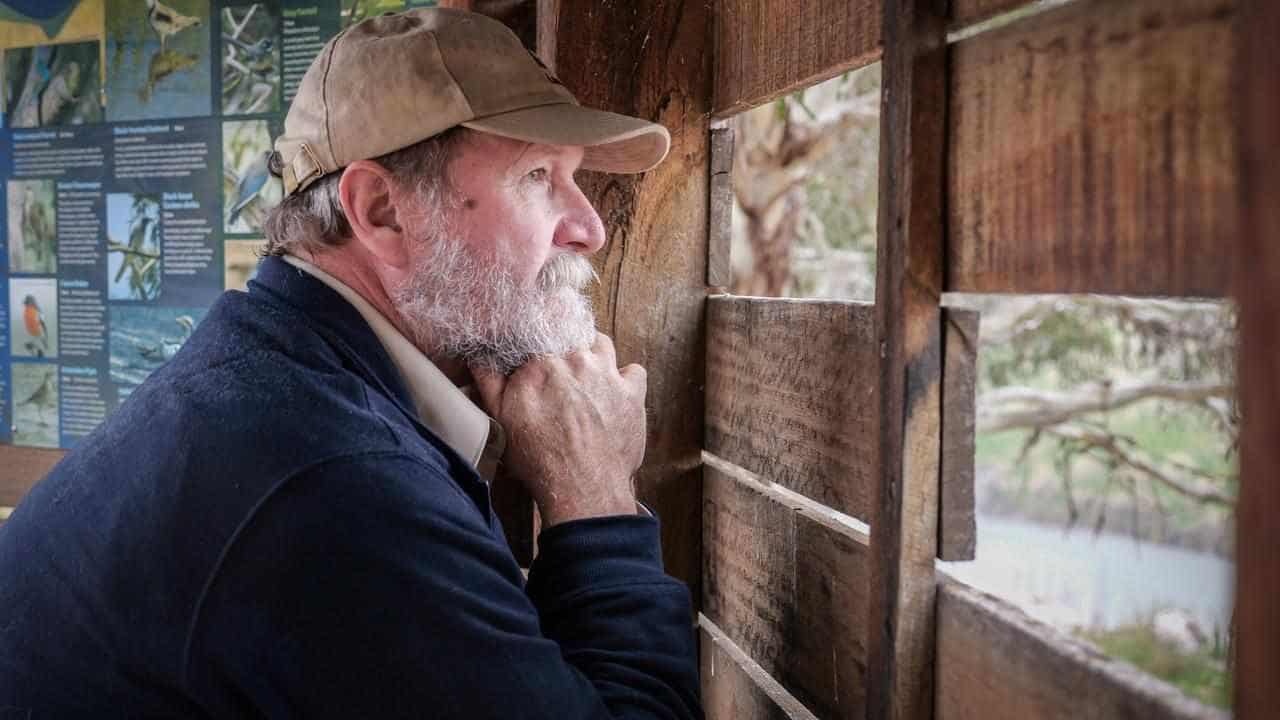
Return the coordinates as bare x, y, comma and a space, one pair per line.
133, 153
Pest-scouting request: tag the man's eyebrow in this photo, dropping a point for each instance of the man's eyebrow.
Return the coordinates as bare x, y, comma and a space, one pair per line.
535, 150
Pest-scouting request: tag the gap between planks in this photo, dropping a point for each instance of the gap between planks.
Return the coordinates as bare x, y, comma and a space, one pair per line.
785, 701
834, 520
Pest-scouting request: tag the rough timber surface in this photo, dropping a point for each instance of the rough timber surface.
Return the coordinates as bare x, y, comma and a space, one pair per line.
995, 663
970, 12
791, 394
720, 229
765, 49
736, 688
789, 587
1257, 694
909, 273
651, 59
957, 524
1092, 150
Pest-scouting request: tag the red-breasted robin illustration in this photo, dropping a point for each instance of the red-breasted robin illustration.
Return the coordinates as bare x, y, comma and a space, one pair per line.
37, 331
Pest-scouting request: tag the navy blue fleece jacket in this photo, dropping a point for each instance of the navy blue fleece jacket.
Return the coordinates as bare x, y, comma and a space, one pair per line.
264, 529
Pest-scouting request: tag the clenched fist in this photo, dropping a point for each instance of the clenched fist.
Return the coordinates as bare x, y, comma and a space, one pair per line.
575, 430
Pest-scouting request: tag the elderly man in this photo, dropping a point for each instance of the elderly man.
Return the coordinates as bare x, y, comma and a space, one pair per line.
292, 518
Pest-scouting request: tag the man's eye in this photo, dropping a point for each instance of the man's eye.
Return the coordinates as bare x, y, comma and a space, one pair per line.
538, 175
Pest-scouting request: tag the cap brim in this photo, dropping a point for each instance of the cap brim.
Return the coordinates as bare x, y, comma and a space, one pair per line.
612, 142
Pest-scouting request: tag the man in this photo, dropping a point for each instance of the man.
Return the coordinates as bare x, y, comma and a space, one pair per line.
291, 518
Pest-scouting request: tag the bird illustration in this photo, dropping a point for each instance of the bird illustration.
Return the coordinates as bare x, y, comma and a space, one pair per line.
33, 323
137, 236
44, 396
166, 21
248, 186
168, 347
162, 65
36, 228
256, 52
58, 94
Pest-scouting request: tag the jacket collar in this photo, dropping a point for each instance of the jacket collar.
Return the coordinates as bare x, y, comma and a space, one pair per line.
341, 325
440, 405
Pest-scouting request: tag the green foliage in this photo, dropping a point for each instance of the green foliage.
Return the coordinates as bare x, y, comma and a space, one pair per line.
1066, 348
1201, 675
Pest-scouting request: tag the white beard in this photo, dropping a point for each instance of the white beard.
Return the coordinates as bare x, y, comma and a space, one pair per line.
460, 307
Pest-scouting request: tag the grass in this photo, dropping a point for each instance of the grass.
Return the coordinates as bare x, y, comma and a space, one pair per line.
1201, 675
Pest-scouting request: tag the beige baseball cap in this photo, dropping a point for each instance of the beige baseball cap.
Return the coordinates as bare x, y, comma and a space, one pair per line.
394, 80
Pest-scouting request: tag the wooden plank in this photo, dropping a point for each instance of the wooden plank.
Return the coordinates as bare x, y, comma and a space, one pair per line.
651, 59
720, 230
969, 12
909, 261
22, 467
1091, 150
735, 688
1257, 253
791, 394
957, 526
789, 586
766, 49
995, 663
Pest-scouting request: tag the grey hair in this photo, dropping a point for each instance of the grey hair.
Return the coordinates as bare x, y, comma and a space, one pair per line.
313, 220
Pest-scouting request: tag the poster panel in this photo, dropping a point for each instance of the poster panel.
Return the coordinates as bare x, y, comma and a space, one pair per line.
133, 155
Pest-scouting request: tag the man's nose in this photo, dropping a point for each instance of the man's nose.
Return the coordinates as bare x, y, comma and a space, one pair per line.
580, 229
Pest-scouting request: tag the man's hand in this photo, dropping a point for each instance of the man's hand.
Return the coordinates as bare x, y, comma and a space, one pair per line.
575, 430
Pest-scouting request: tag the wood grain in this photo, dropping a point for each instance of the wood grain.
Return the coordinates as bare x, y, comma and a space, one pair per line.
651, 59
766, 49
792, 394
969, 12
720, 222
1092, 150
909, 262
957, 526
1257, 255
22, 467
789, 587
995, 663
735, 688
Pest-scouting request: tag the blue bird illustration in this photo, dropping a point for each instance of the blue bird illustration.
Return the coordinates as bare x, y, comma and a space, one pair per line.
248, 186
42, 65
254, 53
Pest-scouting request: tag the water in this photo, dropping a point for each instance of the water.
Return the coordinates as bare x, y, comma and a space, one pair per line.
1076, 579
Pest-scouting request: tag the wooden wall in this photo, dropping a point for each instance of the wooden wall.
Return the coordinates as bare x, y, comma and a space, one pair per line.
650, 58
1088, 146
1257, 290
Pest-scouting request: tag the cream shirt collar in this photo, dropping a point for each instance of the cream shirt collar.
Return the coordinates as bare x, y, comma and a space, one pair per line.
442, 406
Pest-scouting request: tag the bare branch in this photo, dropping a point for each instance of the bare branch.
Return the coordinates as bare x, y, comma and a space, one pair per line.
1183, 480
1012, 407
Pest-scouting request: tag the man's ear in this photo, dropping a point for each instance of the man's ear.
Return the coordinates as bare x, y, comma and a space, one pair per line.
372, 202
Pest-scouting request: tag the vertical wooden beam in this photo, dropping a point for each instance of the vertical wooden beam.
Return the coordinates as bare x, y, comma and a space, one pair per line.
720, 226
909, 279
957, 522
651, 58
1257, 637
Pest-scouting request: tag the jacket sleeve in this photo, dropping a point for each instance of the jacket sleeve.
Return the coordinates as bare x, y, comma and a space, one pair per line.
375, 587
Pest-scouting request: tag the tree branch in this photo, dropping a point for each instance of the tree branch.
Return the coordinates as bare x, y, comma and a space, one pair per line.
1191, 484
1012, 407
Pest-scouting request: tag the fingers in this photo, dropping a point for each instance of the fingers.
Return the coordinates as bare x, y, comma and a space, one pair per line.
491, 385
636, 377
603, 347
